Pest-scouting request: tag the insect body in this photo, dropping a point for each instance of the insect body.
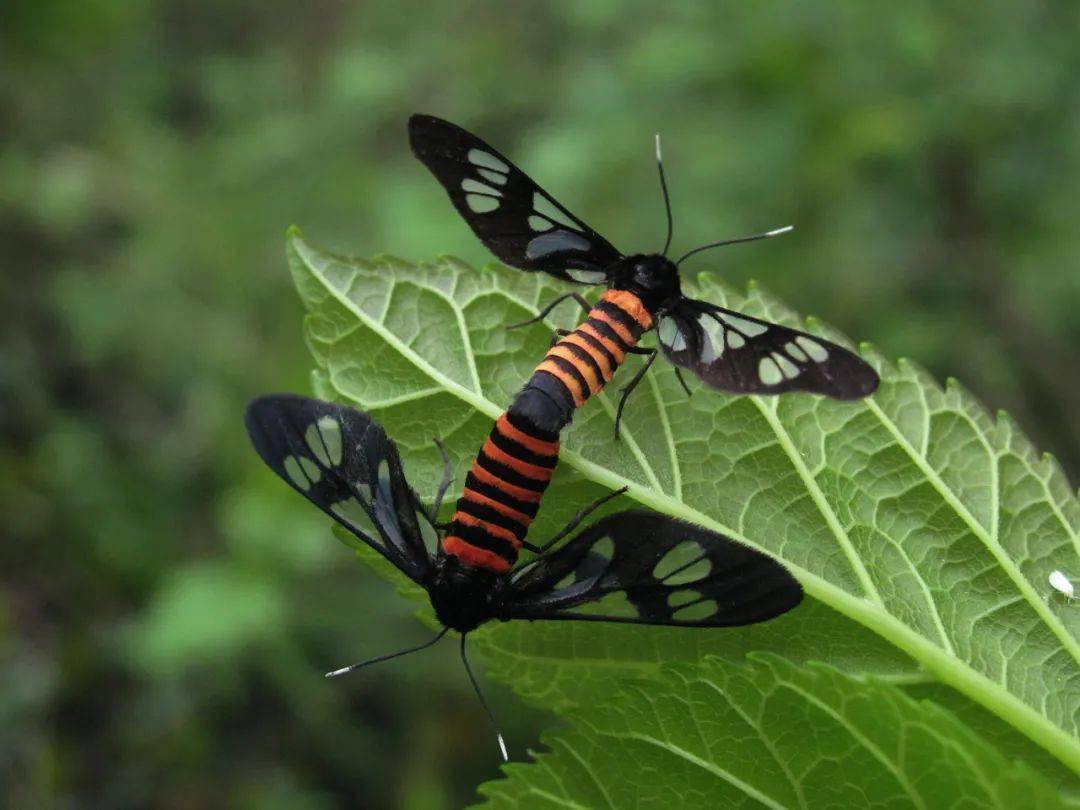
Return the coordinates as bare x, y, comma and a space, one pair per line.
511, 472
632, 566
525, 227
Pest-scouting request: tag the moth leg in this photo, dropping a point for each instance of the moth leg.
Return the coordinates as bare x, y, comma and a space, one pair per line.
560, 333
585, 306
444, 484
574, 521
682, 382
628, 389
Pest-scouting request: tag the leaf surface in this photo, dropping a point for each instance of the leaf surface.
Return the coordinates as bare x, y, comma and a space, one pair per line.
923, 529
768, 734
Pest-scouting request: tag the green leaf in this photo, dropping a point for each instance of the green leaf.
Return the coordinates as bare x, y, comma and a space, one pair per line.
922, 529
769, 734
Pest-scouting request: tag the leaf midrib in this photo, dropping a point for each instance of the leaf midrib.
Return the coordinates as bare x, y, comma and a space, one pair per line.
1041, 608
947, 668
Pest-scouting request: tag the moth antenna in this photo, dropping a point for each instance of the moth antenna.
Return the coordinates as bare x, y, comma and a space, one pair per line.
667, 198
345, 670
754, 238
480, 695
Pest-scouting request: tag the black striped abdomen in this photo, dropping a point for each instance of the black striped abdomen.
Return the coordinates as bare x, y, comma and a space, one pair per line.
584, 361
502, 494
503, 490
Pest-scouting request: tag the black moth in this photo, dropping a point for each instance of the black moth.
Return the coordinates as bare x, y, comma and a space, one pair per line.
525, 227
633, 566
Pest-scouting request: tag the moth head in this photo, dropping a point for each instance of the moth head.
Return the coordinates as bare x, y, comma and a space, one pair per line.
463, 595
652, 277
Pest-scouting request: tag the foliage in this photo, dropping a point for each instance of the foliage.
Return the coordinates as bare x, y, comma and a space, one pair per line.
166, 609
911, 514
769, 734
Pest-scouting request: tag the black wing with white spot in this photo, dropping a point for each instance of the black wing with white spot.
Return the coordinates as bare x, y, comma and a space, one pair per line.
647, 568
344, 463
517, 220
744, 355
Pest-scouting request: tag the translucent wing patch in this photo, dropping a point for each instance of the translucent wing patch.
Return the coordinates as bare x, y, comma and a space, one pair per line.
744, 355
344, 463
647, 568
516, 220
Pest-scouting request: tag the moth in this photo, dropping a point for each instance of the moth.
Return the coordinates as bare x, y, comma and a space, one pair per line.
527, 228
634, 566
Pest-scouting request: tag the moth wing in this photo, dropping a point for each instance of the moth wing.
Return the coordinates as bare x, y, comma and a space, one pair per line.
523, 225
647, 568
342, 461
745, 355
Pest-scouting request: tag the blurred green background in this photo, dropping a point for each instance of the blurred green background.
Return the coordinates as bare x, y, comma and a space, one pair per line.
166, 607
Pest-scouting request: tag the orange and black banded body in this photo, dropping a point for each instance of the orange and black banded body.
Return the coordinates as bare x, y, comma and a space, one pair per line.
503, 490
502, 494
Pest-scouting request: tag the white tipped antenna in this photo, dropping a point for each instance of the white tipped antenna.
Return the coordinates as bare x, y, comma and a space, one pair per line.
737, 240
353, 667
667, 197
1062, 584
480, 695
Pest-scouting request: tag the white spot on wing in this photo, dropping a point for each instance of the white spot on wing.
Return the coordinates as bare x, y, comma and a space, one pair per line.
481, 204
468, 184
315, 445
735, 340
478, 157
677, 599
587, 276
605, 548
311, 468
302, 471
816, 351
539, 223
331, 436
787, 368
494, 177
670, 335
792, 348
352, 512
748, 328
296, 475
682, 564
543, 206
696, 611
714, 339
769, 372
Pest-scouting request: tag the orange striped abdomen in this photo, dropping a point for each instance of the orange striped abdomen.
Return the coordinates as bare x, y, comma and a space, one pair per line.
503, 490
502, 494
585, 360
